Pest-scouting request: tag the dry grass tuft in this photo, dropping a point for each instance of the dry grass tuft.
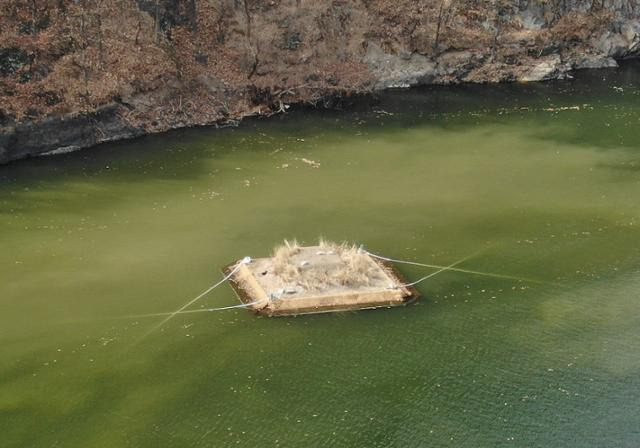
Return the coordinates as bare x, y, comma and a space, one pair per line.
358, 268
315, 279
329, 246
355, 270
282, 264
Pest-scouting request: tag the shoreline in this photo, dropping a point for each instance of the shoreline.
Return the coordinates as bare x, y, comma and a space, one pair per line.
74, 132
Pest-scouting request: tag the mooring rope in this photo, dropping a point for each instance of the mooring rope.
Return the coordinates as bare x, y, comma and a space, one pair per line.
245, 260
442, 269
201, 310
466, 271
279, 296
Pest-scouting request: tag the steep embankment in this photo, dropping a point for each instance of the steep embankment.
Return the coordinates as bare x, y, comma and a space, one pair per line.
77, 73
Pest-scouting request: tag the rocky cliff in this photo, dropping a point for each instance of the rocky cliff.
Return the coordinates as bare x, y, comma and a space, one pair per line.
74, 73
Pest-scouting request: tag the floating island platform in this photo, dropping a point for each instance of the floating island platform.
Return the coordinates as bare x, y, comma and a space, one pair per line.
325, 278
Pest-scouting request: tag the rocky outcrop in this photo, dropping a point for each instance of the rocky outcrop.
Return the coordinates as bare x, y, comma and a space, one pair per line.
56, 135
398, 70
594, 61
551, 67
12, 59
74, 74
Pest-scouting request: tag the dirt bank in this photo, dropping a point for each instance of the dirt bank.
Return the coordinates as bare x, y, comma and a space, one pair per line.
77, 73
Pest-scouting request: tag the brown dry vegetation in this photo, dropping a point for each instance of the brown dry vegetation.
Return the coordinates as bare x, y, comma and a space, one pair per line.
81, 55
282, 261
171, 63
210, 65
355, 269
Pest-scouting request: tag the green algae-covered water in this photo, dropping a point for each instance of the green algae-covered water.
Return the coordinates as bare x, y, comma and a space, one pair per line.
538, 181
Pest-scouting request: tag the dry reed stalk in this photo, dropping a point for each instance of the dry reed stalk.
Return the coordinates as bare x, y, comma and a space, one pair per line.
356, 270
282, 265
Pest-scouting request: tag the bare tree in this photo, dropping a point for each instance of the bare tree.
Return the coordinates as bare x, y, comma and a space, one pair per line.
156, 21
98, 16
442, 14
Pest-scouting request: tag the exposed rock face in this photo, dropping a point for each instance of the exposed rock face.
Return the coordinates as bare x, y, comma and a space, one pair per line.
392, 70
595, 61
622, 43
64, 133
548, 68
12, 60
75, 73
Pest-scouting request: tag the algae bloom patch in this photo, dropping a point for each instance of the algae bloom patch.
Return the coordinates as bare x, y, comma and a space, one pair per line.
318, 279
